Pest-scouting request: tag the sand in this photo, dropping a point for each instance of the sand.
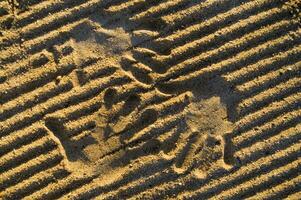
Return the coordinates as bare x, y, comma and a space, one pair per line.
150, 99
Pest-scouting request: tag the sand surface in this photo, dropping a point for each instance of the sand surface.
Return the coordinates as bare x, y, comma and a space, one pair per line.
150, 99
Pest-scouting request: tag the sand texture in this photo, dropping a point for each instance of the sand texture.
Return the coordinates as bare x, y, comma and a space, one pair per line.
150, 99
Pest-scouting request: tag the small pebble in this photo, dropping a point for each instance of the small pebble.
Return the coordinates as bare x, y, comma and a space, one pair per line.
58, 79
